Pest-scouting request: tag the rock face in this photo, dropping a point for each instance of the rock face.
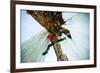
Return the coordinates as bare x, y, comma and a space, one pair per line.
59, 53
52, 21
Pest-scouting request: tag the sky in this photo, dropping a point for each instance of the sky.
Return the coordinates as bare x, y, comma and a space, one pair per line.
76, 49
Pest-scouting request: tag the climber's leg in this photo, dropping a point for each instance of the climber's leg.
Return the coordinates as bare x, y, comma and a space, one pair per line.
44, 53
61, 39
66, 32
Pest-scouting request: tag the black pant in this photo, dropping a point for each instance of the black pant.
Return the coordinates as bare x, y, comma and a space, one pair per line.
51, 44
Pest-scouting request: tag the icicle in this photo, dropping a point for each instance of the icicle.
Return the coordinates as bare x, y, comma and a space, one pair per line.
32, 49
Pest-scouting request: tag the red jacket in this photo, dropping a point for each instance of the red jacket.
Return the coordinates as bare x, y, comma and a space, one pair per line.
51, 37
